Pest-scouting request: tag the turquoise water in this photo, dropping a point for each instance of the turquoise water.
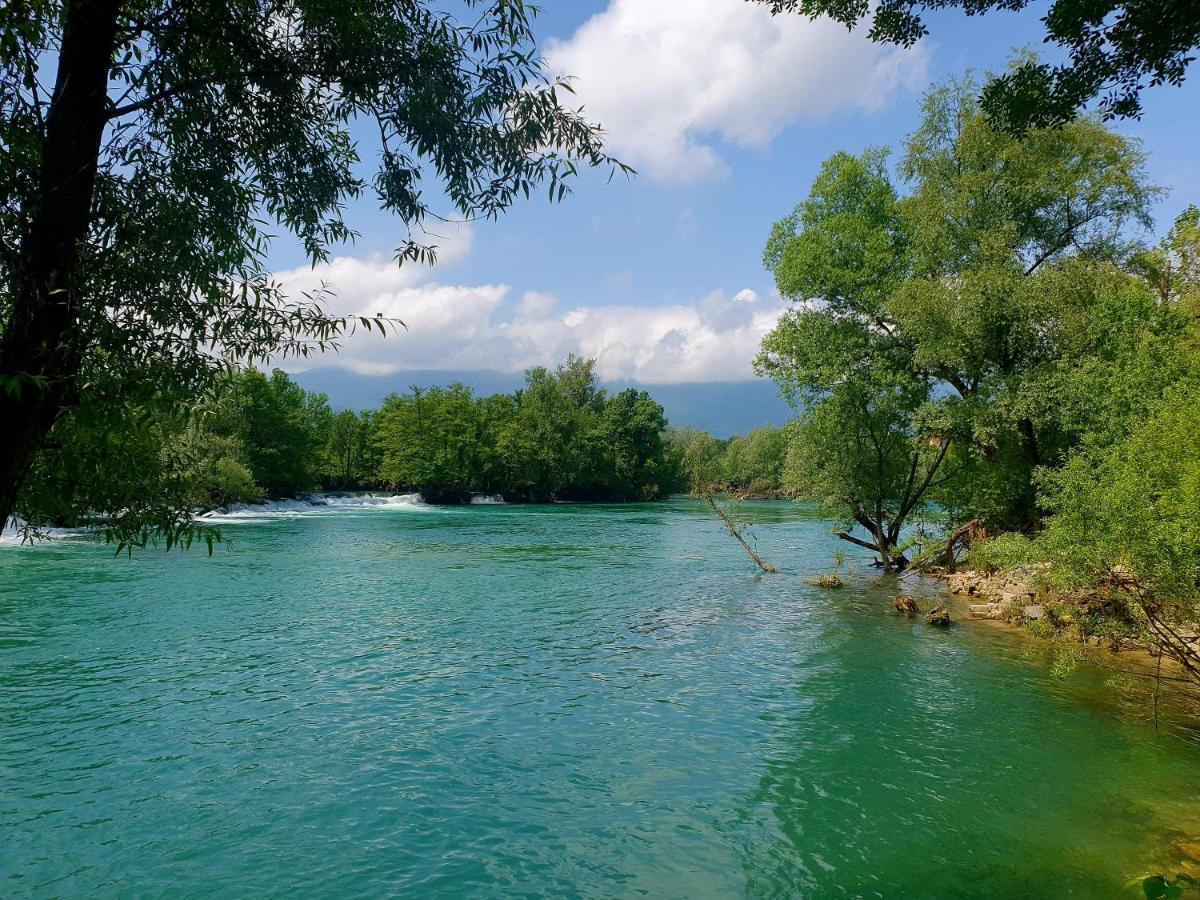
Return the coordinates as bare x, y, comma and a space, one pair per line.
556, 701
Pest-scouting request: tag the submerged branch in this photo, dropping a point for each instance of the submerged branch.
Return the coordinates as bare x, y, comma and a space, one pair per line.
732, 527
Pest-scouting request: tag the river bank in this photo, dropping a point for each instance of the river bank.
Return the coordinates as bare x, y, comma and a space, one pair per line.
1013, 602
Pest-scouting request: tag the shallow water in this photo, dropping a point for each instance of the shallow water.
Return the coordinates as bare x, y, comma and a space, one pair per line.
384, 698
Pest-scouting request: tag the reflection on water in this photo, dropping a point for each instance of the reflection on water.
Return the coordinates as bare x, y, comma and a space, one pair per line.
569, 700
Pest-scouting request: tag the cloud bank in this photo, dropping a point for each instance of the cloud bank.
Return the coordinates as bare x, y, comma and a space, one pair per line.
665, 76
490, 326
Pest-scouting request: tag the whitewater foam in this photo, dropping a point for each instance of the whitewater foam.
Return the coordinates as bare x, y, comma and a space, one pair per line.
316, 505
13, 535
486, 499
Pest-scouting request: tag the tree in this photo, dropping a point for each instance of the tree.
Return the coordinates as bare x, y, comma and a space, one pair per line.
632, 426
282, 429
1173, 267
1115, 49
862, 454
428, 440
934, 319
344, 450
754, 462
141, 192
555, 437
1124, 524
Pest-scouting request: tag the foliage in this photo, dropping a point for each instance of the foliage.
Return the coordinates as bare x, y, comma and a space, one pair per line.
929, 328
429, 439
350, 456
753, 463
749, 465
255, 436
1115, 49
1126, 513
560, 437
281, 428
141, 477
142, 196
1004, 552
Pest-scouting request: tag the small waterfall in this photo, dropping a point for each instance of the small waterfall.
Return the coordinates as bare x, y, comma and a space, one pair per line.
486, 499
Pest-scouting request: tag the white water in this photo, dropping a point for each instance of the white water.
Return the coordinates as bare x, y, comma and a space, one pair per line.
486, 499
316, 505
313, 505
12, 534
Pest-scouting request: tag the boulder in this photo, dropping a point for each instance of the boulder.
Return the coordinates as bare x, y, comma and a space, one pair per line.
1036, 611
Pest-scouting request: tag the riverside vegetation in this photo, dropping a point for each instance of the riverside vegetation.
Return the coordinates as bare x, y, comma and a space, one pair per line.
256, 436
981, 343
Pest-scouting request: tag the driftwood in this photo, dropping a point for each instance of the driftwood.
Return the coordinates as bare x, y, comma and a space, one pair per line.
906, 604
960, 539
732, 527
939, 615
964, 536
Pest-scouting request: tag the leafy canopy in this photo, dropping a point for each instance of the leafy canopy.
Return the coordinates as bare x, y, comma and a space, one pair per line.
1115, 49
926, 326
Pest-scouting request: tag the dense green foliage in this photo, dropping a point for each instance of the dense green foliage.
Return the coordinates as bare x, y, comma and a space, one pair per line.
560, 437
993, 340
142, 195
256, 436
1115, 49
1120, 543
932, 328
749, 465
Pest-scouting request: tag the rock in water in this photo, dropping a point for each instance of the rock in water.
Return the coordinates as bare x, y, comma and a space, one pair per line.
939, 615
906, 605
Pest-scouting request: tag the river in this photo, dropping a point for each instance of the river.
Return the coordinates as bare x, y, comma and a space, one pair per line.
374, 698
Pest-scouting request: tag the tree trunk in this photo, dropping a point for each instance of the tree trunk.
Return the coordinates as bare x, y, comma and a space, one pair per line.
889, 556
1033, 454
41, 348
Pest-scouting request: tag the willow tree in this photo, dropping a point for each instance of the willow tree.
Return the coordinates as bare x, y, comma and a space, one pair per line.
1112, 49
150, 150
922, 327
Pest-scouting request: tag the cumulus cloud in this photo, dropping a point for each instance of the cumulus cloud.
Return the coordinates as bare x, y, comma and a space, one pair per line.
489, 326
664, 76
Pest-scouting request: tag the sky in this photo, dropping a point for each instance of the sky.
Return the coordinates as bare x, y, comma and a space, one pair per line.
726, 113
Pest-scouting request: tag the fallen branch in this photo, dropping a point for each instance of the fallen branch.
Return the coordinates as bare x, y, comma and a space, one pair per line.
732, 527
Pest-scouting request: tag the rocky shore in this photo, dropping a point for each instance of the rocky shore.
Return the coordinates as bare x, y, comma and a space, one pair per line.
1009, 597
1014, 597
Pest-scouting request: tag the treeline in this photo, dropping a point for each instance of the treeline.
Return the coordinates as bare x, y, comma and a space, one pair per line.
259, 436
749, 465
560, 437
980, 329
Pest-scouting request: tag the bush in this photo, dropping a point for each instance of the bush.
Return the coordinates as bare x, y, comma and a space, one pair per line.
1004, 553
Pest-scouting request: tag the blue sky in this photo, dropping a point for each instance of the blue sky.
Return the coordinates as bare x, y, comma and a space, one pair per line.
727, 114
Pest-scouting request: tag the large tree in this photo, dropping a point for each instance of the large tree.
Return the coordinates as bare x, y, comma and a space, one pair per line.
151, 149
1114, 49
928, 326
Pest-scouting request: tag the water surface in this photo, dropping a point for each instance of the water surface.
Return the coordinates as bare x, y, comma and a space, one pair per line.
386, 699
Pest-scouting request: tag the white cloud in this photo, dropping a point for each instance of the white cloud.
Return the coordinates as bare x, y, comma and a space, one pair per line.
664, 76
485, 327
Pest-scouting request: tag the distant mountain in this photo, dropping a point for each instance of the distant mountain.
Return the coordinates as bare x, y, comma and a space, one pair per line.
723, 408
